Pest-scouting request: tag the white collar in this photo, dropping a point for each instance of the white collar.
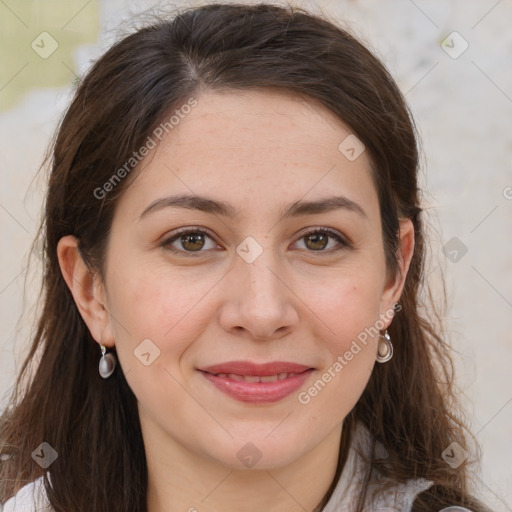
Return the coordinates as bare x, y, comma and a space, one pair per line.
399, 496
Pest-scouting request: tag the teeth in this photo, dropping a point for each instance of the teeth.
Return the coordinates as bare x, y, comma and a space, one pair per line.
256, 378
268, 378
248, 378
233, 376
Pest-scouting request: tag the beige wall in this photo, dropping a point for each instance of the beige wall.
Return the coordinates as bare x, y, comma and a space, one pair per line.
463, 108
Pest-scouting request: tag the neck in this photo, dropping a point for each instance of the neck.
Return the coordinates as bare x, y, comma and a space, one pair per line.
180, 480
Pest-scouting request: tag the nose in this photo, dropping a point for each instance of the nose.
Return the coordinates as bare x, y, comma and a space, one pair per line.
260, 303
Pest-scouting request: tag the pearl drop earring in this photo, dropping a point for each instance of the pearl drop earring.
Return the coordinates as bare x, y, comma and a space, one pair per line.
107, 363
385, 349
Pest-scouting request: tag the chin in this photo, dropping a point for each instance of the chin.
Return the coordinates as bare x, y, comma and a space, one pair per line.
256, 453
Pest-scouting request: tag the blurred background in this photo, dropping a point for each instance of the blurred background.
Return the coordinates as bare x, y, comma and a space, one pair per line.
452, 60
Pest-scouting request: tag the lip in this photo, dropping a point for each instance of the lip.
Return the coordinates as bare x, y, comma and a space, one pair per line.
257, 392
261, 370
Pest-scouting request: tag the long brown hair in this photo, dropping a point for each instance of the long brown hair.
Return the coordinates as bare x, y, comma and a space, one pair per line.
408, 403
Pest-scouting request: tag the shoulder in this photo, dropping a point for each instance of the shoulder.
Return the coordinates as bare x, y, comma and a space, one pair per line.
30, 498
440, 497
381, 494
398, 497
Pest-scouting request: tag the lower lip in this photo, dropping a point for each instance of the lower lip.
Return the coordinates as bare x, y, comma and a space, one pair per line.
259, 392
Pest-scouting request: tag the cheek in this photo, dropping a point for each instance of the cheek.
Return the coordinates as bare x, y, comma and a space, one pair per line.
349, 346
350, 308
155, 302
156, 307
349, 335
161, 317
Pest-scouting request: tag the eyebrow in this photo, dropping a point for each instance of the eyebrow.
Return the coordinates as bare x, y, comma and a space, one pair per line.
208, 205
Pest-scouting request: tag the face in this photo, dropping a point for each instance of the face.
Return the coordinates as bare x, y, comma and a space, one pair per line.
269, 277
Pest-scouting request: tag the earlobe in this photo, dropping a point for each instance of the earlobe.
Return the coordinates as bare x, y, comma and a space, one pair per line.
86, 288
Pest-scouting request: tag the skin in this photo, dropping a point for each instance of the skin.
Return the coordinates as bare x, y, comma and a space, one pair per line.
258, 151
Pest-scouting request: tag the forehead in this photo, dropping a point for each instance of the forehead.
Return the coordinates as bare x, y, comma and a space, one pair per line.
255, 147
259, 119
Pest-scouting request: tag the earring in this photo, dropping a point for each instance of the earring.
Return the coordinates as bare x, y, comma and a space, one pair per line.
107, 363
385, 350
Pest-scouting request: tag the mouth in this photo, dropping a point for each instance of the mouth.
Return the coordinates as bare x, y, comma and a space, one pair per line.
255, 378
244, 382
253, 369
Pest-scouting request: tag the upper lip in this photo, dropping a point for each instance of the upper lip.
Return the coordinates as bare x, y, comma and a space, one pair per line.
250, 368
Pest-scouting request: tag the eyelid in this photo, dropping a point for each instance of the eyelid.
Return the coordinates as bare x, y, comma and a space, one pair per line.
343, 241
191, 229
166, 243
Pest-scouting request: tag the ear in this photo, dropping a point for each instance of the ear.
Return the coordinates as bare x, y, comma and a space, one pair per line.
87, 290
395, 284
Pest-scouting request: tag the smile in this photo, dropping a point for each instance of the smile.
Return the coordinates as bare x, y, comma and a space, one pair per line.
258, 389
256, 378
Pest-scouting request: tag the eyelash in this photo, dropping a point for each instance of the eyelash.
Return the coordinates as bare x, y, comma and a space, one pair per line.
187, 231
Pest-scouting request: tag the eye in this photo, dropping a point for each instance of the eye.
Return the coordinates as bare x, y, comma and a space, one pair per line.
194, 240
191, 240
317, 239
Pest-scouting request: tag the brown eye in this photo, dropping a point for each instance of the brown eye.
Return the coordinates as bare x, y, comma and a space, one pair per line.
318, 240
193, 242
189, 241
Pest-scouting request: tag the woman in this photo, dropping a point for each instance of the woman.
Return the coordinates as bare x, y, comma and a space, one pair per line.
233, 252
